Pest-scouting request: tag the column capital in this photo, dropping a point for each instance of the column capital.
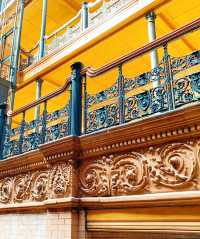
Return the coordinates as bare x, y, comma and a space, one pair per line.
39, 81
151, 16
77, 66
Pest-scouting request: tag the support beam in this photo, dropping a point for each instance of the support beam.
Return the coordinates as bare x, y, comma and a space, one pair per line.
41, 54
76, 101
15, 58
38, 95
170, 24
43, 30
85, 16
53, 82
2, 127
151, 16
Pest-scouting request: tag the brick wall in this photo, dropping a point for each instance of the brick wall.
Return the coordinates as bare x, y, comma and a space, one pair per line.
44, 225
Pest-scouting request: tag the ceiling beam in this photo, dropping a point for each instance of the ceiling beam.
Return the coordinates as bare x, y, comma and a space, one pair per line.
173, 27
53, 82
72, 4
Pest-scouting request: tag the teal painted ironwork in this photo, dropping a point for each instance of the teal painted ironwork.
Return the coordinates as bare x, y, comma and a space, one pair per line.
134, 97
16, 51
121, 95
85, 111
169, 78
76, 110
2, 127
21, 133
44, 124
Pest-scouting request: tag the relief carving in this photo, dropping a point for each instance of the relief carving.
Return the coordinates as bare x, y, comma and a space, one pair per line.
120, 175
175, 166
37, 186
40, 186
60, 179
5, 190
22, 185
159, 169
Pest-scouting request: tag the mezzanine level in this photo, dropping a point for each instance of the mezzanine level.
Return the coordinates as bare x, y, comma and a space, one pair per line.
171, 85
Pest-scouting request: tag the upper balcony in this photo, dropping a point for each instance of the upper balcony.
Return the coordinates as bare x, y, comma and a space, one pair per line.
171, 85
70, 35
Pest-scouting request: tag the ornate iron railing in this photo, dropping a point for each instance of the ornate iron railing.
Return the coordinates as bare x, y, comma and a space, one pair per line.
126, 104
174, 83
30, 135
46, 128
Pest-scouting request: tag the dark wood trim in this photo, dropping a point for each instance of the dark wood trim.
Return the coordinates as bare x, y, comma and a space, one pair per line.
42, 99
194, 25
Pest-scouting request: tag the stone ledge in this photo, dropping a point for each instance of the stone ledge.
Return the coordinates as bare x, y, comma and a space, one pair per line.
187, 198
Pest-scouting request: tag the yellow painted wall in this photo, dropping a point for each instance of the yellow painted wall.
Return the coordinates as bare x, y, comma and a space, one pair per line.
170, 16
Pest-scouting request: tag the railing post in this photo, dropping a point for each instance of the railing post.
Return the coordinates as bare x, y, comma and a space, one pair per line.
169, 79
3, 118
76, 101
85, 104
44, 124
121, 95
85, 16
38, 95
21, 136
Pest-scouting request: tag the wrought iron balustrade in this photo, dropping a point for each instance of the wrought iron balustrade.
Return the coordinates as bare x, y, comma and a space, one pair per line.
172, 92
174, 83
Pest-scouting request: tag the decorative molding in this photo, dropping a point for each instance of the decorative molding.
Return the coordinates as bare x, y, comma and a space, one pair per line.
109, 176
155, 169
174, 165
37, 186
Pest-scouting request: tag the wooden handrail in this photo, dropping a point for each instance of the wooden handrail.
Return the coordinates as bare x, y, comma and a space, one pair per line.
42, 99
134, 54
91, 72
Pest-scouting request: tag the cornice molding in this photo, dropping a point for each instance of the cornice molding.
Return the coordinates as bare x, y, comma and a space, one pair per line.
170, 199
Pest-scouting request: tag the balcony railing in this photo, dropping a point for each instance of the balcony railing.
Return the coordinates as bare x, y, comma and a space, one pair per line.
90, 15
174, 83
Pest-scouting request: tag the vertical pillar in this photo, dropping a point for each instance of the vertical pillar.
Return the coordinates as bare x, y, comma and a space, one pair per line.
38, 95
43, 30
151, 16
85, 16
76, 101
15, 58
41, 54
2, 127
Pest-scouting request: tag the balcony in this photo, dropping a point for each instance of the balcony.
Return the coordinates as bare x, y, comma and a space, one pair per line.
172, 85
91, 14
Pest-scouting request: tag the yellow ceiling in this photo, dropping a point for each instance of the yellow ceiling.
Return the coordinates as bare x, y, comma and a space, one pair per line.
58, 12
170, 16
